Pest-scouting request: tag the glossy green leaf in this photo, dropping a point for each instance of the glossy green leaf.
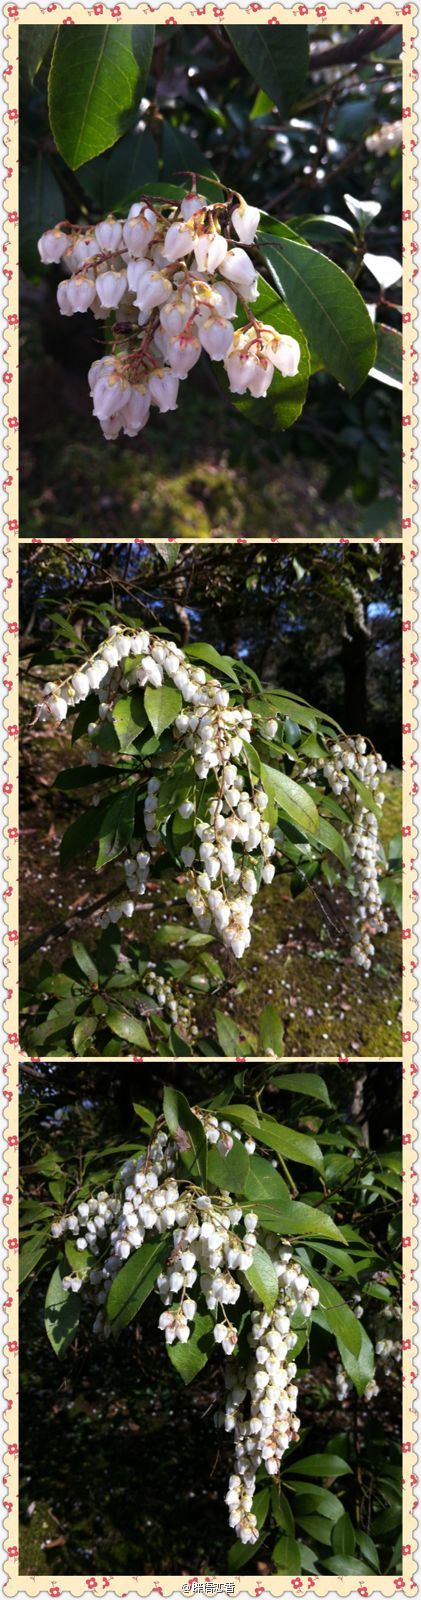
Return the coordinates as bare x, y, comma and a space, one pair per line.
135, 1281
31, 1254
262, 1277
96, 81
271, 1032
263, 1182
181, 1121
387, 365
308, 1083
127, 1027
329, 308
321, 1465
297, 1220
227, 1034
189, 1359
359, 1368
212, 658
84, 961
162, 706
62, 1312
277, 59
291, 799
229, 1172
343, 1536
293, 1146
116, 826
286, 1555
129, 717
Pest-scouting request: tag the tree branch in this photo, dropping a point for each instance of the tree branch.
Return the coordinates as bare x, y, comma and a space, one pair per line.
363, 44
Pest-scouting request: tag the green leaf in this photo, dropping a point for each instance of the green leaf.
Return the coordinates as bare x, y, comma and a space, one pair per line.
189, 1359
318, 1527
368, 1550
41, 205
263, 1182
286, 1555
333, 1313
325, 1465
31, 1253
62, 1312
281, 1510
343, 1536
359, 1368
321, 1500
84, 961
145, 1114
116, 826
80, 1261
271, 1032
285, 400
212, 658
95, 84
162, 706
82, 777
322, 229
387, 363
308, 1083
179, 1116
129, 717
347, 1566
83, 1033
297, 1220
135, 1281
292, 799
277, 60
329, 308
231, 1171
293, 1146
169, 553
262, 1277
364, 211
227, 1034
80, 834
127, 1027
334, 841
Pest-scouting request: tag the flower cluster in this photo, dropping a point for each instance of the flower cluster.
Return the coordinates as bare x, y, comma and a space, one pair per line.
216, 734
210, 1251
347, 760
262, 1397
174, 276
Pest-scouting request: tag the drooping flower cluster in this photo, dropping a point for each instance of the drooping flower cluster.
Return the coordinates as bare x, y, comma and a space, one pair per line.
174, 276
262, 1398
210, 1251
351, 757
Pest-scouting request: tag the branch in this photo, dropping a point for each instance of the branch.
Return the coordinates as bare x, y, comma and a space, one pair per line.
362, 44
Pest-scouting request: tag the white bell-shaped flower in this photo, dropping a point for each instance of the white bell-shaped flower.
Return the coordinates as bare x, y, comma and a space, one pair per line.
184, 350
139, 230
153, 290
215, 334
282, 350
81, 290
109, 234
63, 298
179, 241
163, 389
191, 205
246, 220
52, 245
110, 394
210, 249
177, 310
240, 271
110, 287
135, 412
81, 250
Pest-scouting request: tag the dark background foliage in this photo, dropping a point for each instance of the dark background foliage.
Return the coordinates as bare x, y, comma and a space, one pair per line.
121, 1467
205, 470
